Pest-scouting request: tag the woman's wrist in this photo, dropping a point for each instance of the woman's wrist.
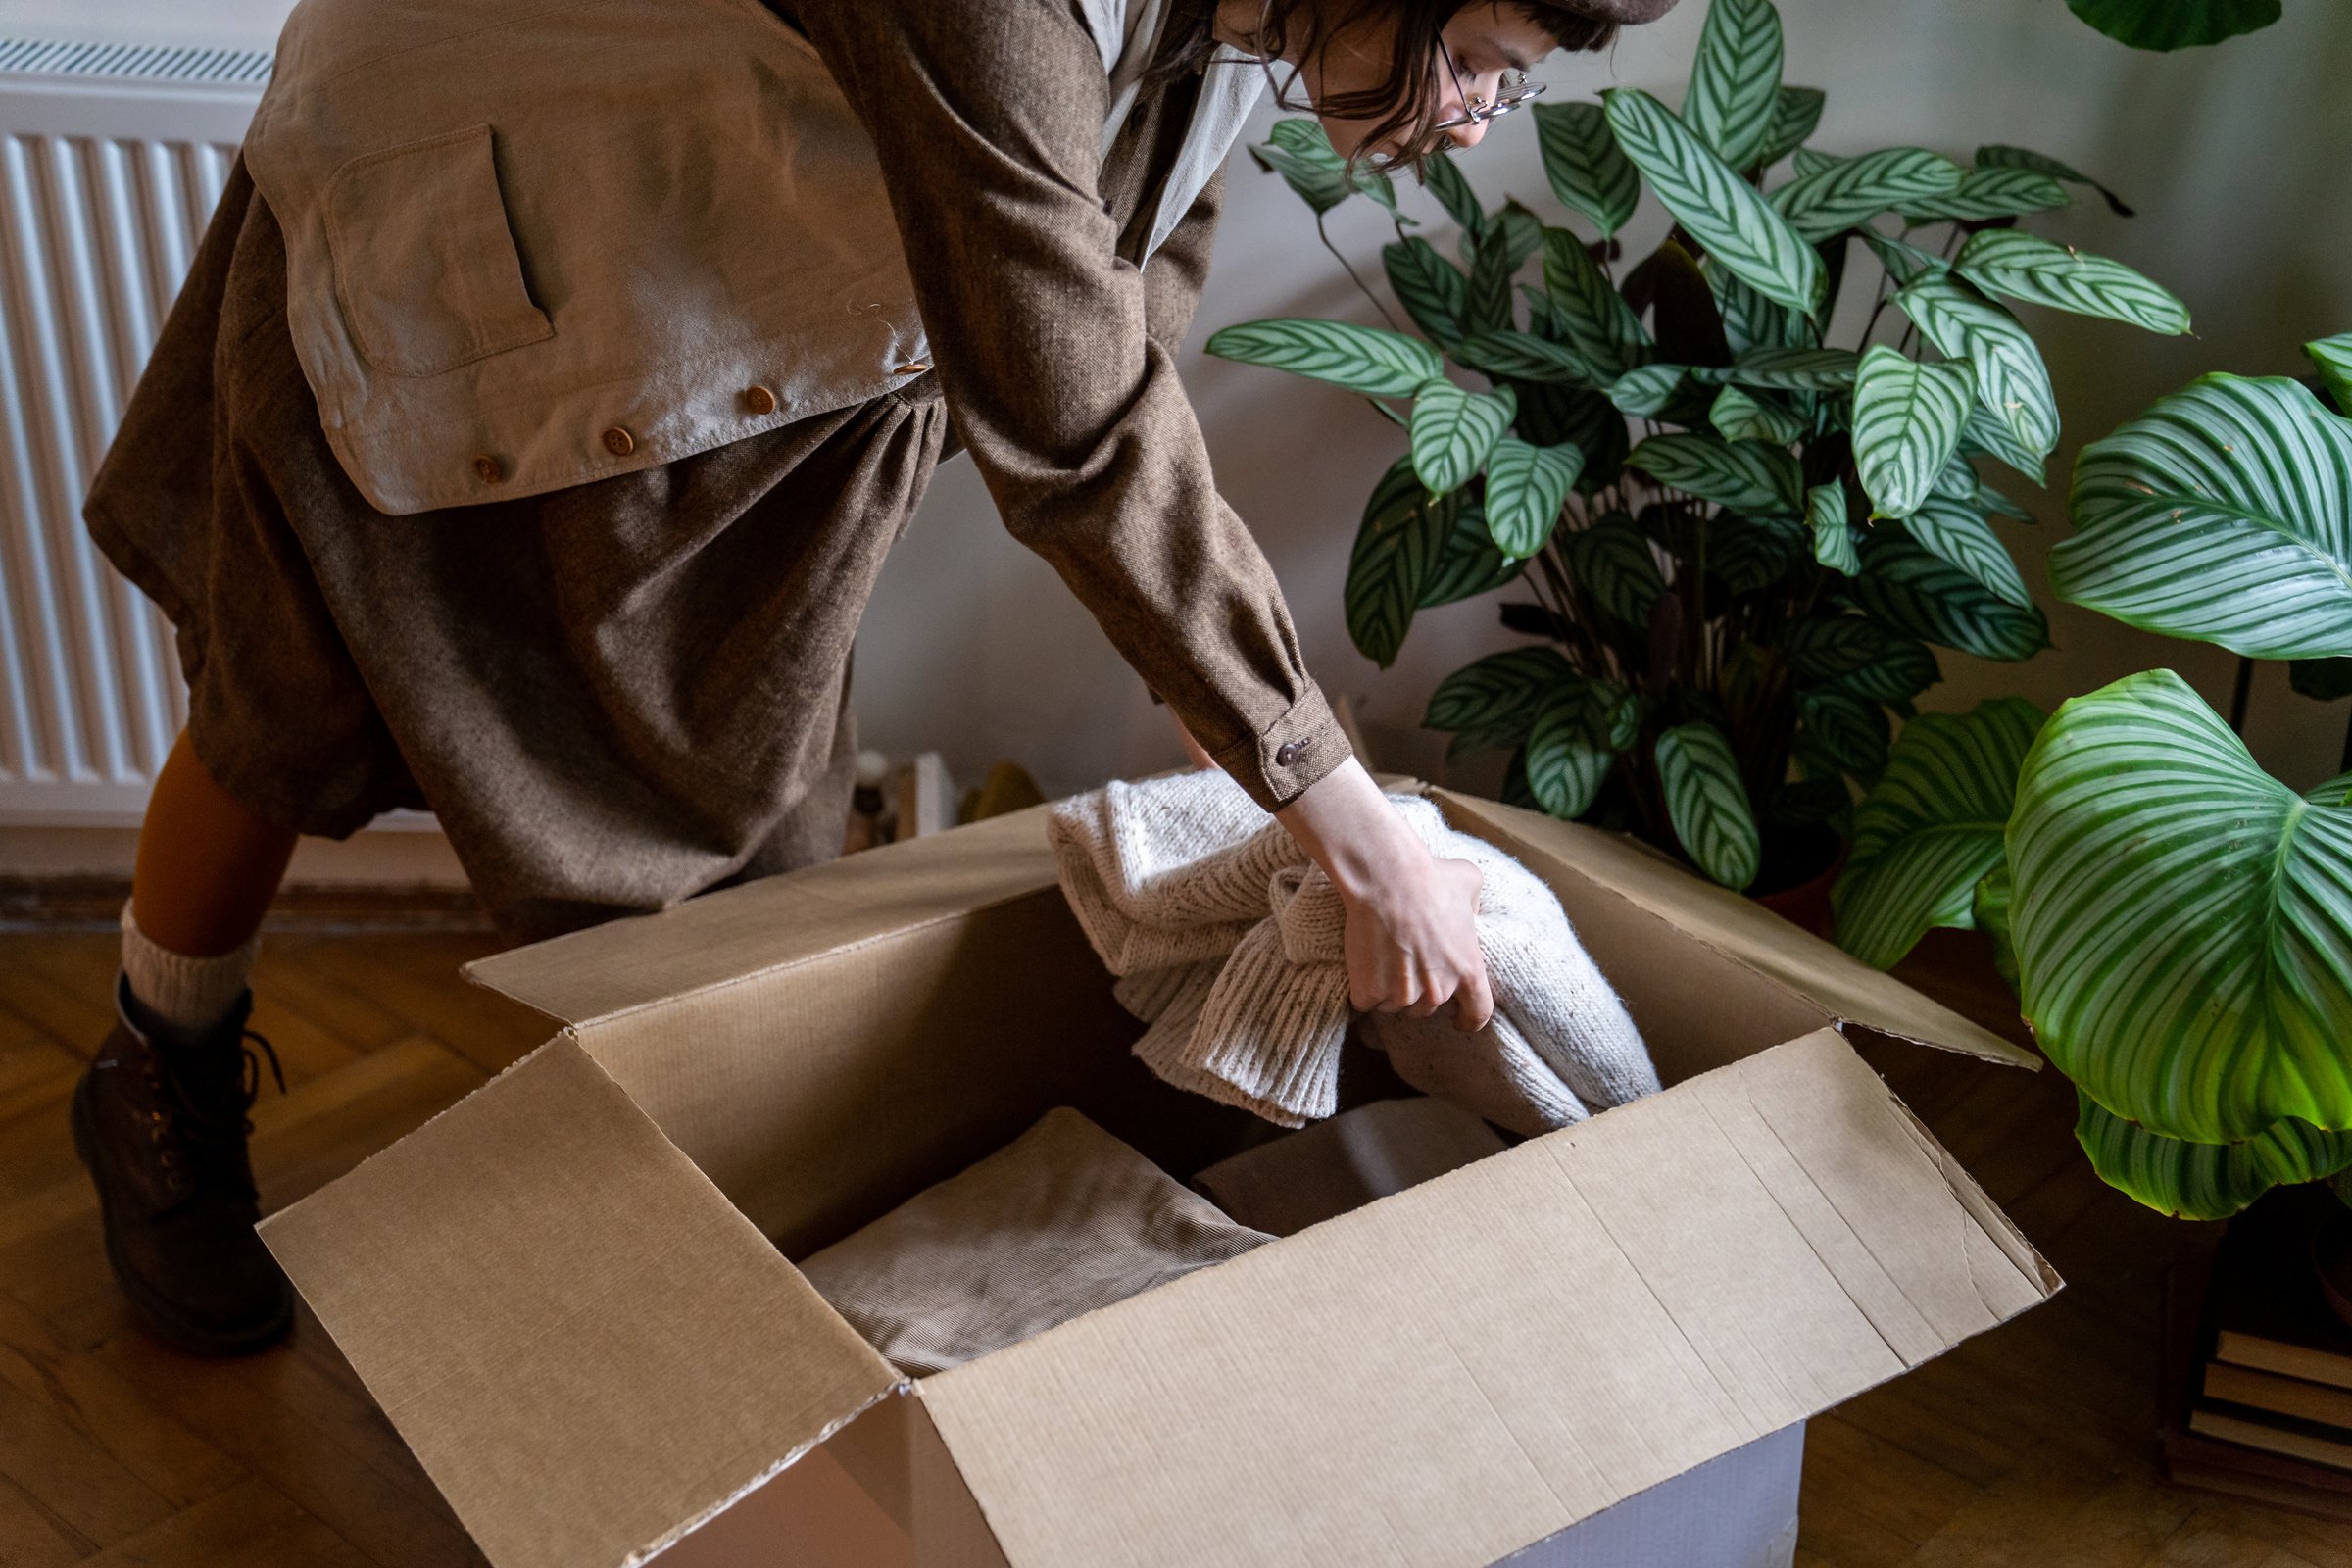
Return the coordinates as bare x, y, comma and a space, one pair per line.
1348, 827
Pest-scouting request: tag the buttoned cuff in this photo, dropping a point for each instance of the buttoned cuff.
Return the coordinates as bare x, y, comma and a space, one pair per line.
1278, 764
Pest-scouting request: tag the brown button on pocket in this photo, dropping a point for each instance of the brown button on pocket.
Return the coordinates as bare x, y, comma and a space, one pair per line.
1289, 754
760, 400
425, 268
486, 468
619, 442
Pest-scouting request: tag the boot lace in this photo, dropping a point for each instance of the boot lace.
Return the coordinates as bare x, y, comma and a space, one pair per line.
210, 1108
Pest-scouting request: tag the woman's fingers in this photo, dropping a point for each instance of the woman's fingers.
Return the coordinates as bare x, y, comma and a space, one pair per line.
1474, 1002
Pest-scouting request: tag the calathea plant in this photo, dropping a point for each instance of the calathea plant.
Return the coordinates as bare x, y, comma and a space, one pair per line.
1734, 596
2177, 923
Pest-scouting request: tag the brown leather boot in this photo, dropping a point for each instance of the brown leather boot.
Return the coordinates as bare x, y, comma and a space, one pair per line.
159, 1119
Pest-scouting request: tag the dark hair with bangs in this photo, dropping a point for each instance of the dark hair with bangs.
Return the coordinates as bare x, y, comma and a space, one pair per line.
1401, 106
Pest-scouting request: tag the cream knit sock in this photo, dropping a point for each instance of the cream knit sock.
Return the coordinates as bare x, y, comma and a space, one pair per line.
190, 993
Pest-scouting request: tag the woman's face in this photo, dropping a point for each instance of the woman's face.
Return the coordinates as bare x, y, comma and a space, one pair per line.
1483, 41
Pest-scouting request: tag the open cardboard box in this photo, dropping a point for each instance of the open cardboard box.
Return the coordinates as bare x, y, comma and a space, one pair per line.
564, 1292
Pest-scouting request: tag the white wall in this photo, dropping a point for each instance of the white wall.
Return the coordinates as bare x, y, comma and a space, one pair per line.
2239, 160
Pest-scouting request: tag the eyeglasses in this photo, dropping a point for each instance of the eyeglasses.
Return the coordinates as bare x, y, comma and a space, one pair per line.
1513, 90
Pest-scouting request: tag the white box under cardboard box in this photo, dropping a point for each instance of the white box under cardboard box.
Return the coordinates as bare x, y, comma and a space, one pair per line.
564, 1292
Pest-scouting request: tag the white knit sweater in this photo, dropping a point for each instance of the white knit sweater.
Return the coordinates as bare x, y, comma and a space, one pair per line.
1230, 944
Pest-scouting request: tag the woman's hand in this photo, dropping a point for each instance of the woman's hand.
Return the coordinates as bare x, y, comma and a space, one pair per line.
1412, 931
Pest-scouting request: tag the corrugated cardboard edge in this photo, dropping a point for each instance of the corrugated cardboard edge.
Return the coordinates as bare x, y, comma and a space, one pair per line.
371, 1356
1825, 975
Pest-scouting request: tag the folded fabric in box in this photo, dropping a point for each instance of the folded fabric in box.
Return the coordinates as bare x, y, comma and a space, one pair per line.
1231, 944
1060, 1221
1340, 1165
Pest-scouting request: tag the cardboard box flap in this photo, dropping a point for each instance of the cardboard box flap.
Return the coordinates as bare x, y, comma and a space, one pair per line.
1738, 926
589, 1349
774, 922
1452, 1373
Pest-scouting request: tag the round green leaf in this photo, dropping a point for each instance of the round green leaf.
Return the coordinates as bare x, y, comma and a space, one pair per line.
1395, 548
2012, 382
1649, 391
2222, 514
1363, 359
2203, 1181
2027, 267
1565, 767
1525, 487
1454, 430
1736, 81
1722, 211
1850, 191
1587, 170
1912, 590
1707, 802
1931, 828
2184, 921
1611, 561
1907, 423
1957, 532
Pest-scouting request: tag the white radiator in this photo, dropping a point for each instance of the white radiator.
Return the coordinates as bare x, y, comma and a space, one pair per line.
111, 159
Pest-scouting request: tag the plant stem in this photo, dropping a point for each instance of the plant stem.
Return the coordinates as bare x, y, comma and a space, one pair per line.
1349, 267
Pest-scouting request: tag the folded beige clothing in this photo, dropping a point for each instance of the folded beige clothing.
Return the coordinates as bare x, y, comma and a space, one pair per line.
1255, 1014
1060, 1221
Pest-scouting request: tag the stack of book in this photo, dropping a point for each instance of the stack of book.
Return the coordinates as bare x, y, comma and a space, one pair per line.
2258, 1401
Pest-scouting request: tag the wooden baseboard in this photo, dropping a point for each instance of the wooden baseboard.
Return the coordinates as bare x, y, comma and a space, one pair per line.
88, 903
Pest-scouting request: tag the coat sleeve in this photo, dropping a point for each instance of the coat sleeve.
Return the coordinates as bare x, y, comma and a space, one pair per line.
1056, 366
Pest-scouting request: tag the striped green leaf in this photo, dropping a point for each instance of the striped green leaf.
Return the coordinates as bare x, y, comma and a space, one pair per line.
2176, 24
1932, 827
1565, 765
1905, 264
1832, 534
1524, 357
1992, 436
1722, 211
1752, 552
1957, 532
1468, 563
1443, 180
1822, 647
1736, 81
1990, 193
2012, 382
1901, 668
1795, 115
1395, 546
1549, 414
1795, 369
1611, 561
1991, 908
1525, 487
2027, 267
1997, 156
1738, 414
2332, 356
1514, 686
1849, 730
2184, 920
2222, 514
1851, 191
1587, 170
1370, 359
1907, 423
2203, 1181
1744, 475
1707, 803
1592, 314
1750, 320
1915, 591
1454, 430
1487, 298
1649, 391
1301, 152
1432, 288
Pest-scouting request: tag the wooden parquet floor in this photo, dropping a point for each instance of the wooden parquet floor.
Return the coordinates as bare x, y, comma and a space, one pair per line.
2030, 1445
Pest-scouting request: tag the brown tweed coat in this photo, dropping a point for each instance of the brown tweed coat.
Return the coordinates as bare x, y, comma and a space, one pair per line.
623, 692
